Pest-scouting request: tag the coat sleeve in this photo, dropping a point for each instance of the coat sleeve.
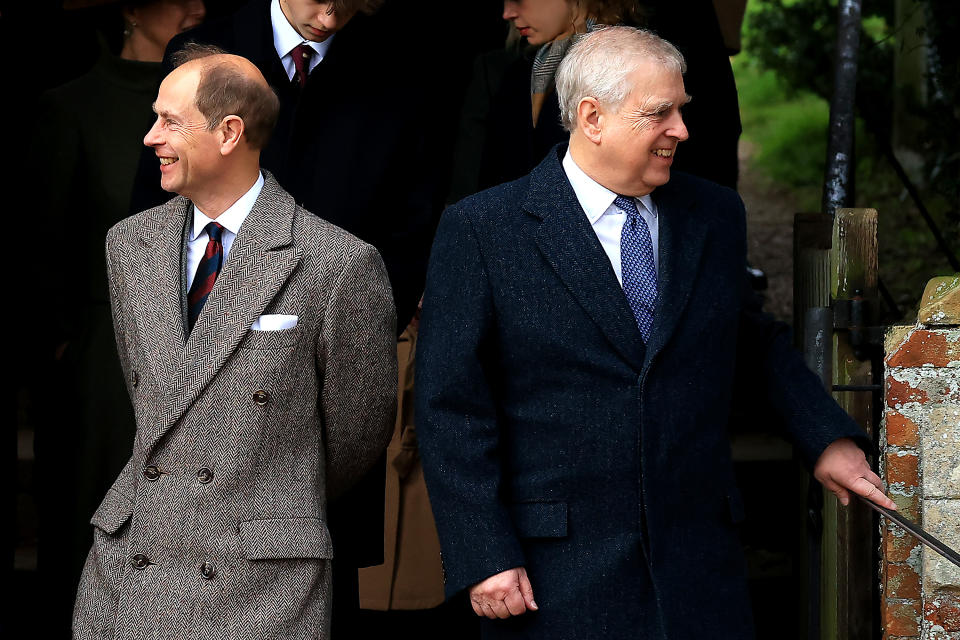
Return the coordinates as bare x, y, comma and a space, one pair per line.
358, 360
456, 414
768, 360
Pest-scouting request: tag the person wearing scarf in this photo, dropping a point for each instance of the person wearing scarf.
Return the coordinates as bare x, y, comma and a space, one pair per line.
510, 118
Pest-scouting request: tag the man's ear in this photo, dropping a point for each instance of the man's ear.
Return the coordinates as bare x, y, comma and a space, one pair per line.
230, 132
589, 119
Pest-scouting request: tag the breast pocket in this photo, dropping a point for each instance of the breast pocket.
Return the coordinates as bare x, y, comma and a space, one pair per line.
271, 340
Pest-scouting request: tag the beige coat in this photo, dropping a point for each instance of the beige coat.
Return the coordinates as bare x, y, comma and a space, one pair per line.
411, 576
216, 526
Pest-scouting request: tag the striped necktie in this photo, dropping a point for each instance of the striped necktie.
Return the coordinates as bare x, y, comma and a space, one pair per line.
638, 269
207, 272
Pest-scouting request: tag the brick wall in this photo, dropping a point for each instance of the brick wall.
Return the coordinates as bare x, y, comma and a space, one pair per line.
920, 464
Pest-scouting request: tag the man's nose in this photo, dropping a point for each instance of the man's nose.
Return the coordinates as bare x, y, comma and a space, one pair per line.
152, 139
679, 130
509, 10
329, 20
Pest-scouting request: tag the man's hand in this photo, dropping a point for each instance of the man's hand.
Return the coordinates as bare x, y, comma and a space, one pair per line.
503, 595
842, 467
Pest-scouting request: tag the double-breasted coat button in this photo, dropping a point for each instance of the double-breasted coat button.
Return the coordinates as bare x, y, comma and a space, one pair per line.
261, 397
139, 561
151, 473
204, 475
134, 379
207, 570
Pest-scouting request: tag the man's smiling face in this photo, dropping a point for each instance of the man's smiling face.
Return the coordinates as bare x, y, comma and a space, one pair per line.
641, 137
189, 153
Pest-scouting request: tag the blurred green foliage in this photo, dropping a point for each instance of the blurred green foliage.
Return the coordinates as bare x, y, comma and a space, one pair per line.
784, 78
796, 40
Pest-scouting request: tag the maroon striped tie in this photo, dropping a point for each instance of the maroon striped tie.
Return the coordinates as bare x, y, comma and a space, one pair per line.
207, 272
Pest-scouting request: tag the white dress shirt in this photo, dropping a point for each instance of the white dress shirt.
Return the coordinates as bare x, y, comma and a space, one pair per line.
230, 220
605, 217
285, 38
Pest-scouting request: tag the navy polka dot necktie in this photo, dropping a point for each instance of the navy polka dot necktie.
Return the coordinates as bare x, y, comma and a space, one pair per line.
638, 270
207, 272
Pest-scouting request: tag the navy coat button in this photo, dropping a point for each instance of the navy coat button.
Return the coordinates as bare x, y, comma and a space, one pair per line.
204, 475
151, 473
140, 561
261, 397
207, 570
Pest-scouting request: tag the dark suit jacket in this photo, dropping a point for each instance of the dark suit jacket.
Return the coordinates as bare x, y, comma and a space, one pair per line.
348, 147
553, 438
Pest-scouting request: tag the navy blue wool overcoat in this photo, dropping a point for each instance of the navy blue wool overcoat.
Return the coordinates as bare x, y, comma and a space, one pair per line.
553, 438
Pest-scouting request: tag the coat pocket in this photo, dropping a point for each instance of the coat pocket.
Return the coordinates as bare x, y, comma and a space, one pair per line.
113, 512
285, 539
540, 519
269, 340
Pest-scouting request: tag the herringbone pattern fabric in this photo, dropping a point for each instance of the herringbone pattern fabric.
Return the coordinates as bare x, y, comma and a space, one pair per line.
281, 421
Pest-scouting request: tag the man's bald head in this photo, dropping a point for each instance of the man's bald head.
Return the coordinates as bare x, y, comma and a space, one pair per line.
230, 85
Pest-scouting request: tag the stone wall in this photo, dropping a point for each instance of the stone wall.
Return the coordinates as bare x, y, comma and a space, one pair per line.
920, 464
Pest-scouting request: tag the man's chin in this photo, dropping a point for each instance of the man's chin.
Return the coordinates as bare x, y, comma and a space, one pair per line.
660, 179
168, 184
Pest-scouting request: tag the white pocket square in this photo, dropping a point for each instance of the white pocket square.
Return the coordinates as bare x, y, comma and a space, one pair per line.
274, 322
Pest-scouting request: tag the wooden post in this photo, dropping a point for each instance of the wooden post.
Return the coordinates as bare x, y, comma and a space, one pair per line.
847, 558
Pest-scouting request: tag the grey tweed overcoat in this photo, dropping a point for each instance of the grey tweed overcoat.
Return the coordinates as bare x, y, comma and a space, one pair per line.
216, 526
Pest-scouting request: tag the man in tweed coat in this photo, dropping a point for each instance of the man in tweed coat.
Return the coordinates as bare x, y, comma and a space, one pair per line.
269, 393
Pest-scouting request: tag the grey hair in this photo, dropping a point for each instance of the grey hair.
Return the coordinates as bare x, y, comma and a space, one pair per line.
598, 64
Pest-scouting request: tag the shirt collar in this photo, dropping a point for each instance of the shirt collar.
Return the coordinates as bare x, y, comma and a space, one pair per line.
593, 196
233, 217
285, 37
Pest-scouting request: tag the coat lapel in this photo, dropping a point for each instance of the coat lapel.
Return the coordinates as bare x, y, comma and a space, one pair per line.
158, 267
262, 258
572, 249
683, 230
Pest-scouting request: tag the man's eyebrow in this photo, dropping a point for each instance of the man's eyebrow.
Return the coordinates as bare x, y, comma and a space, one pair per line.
654, 105
162, 114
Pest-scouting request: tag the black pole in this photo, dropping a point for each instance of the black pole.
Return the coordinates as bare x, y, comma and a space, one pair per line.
837, 191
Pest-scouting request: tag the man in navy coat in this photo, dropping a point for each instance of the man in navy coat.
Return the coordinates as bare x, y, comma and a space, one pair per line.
581, 331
